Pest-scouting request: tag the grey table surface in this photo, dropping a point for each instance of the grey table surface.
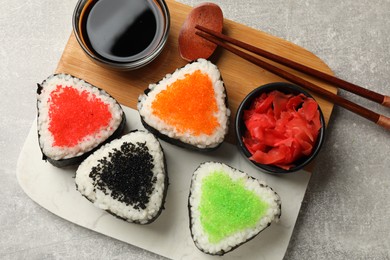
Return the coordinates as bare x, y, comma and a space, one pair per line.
346, 210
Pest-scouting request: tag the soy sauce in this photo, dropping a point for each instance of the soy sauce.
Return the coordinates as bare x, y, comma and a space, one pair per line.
122, 30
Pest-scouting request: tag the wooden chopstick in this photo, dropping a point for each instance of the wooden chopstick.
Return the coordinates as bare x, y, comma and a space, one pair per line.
364, 112
363, 92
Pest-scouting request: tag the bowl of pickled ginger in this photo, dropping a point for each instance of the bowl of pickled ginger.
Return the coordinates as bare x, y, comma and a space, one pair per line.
280, 128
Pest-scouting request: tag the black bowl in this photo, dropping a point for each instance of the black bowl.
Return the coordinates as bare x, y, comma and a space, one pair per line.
240, 128
141, 59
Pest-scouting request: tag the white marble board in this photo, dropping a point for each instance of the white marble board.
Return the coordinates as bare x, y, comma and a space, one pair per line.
54, 189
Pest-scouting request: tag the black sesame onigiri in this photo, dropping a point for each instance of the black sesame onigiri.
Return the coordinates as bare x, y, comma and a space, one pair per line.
126, 177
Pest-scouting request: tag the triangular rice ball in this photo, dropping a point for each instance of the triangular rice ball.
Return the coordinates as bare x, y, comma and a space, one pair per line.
227, 207
188, 107
126, 177
74, 118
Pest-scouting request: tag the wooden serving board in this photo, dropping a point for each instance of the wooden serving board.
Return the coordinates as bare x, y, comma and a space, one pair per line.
53, 188
240, 76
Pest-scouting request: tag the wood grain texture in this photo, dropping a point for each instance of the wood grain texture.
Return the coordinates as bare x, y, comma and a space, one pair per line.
240, 76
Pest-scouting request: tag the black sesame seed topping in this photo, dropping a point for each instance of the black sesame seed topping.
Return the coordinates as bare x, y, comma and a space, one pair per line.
127, 173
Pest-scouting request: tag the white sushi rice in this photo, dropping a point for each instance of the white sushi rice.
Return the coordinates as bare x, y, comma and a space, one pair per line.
106, 202
89, 142
222, 115
265, 193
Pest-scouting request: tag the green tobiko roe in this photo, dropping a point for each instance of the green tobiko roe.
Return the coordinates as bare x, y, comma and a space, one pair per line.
227, 207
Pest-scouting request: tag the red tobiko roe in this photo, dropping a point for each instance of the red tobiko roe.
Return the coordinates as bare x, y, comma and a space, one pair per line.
281, 128
75, 115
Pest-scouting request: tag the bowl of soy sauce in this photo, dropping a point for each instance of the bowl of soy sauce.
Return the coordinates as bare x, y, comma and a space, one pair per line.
121, 34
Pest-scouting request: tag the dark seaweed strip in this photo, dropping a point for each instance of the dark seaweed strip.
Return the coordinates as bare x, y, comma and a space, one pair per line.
127, 173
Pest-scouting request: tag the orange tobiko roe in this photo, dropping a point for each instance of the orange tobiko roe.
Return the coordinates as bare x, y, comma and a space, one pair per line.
75, 114
188, 104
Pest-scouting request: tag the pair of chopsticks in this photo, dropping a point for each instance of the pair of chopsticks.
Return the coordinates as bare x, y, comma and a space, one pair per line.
218, 38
